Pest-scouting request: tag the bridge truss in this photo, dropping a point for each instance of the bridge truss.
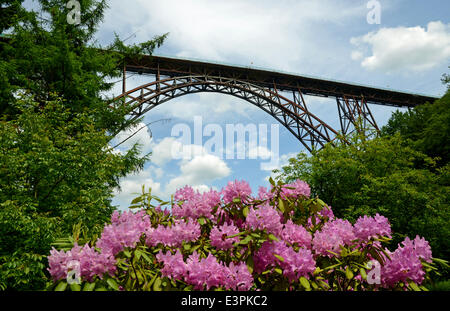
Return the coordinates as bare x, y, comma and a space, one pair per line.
279, 94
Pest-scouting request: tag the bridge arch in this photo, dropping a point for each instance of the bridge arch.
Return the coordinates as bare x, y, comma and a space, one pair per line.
312, 132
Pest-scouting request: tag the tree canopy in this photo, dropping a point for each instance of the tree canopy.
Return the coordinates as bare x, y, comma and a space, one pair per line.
57, 170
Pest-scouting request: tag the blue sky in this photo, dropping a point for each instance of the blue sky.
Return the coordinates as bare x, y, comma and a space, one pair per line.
408, 51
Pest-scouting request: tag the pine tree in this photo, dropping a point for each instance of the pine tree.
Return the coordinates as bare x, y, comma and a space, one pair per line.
56, 170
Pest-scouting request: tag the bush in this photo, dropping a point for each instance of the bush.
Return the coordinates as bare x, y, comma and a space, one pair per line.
280, 240
383, 175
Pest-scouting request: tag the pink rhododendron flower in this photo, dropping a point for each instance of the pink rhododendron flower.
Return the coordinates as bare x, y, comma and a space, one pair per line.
195, 205
333, 234
90, 263
174, 266
205, 272
296, 189
125, 230
297, 234
404, 263
237, 189
218, 236
239, 278
372, 227
294, 264
264, 194
265, 217
174, 235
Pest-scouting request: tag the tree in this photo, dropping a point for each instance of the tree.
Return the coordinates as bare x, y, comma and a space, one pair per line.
56, 170
51, 180
428, 126
48, 55
384, 175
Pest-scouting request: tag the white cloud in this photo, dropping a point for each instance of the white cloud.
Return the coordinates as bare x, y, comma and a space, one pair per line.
404, 48
210, 106
265, 33
164, 151
198, 171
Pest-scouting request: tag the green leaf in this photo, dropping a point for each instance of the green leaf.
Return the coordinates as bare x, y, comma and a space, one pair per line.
272, 182
235, 235
246, 240
157, 284
332, 267
61, 286
75, 287
250, 264
111, 282
348, 273
278, 270
146, 257
362, 271
137, 200
414, 287
88, 287
279, 257
245, 211
272, 237
281, 205
305, 283
137, 254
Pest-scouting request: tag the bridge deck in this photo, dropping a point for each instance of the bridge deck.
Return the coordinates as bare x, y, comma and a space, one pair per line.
169, 66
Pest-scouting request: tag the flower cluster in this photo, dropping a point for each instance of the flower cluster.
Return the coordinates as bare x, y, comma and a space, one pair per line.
237, 189
266, 217
372, 227
205, 272
294, 264
296, 234
334, 234
405, 262
175, 235
83, 261
194, 204
218, 236
212, 241
296, 189
125, 230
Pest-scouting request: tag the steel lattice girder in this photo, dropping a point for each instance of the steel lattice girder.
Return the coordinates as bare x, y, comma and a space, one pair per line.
354, 114
312, 132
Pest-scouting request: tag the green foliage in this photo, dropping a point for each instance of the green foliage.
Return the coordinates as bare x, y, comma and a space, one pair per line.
384, 175
55, 171
10, 12
446, 79
441, 286
427, 126
46, 54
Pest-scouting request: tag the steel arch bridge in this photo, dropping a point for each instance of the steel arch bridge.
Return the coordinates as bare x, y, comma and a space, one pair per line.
279, 94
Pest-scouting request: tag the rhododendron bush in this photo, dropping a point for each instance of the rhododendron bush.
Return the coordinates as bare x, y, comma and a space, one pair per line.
230, 240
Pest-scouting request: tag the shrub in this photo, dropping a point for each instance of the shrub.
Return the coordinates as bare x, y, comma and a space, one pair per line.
279, 240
